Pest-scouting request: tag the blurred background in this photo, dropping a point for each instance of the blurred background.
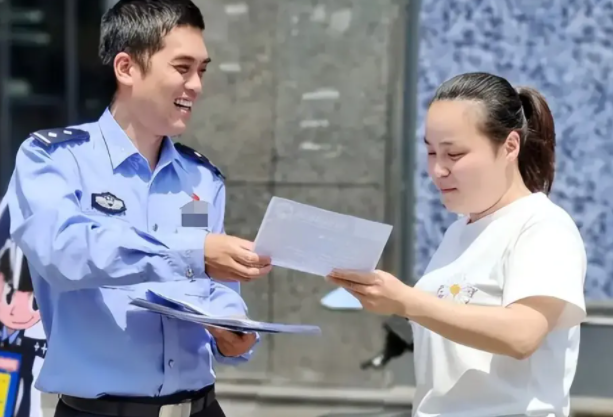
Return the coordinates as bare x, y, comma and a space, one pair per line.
323, 101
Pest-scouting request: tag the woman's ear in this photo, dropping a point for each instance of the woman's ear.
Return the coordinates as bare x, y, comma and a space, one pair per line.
512, 146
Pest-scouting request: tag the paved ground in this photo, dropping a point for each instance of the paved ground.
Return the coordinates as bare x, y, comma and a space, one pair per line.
252, 409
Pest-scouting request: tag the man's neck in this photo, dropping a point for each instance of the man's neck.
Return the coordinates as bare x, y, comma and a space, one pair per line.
148, 144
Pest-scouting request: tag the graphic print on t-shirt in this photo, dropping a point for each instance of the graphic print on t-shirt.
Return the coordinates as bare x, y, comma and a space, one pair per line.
457, 289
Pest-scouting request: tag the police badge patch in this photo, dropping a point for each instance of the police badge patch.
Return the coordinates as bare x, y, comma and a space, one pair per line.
108, 203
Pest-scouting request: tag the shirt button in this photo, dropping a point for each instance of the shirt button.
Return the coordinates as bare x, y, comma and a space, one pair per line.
171, 363
155, 227
189, 273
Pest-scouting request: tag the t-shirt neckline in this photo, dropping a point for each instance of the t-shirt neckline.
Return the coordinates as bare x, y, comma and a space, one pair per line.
502, 211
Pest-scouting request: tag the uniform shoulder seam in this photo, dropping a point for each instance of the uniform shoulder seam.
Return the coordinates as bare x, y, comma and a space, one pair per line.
198, 157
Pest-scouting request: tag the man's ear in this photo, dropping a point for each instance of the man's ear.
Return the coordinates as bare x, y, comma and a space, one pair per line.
123, 66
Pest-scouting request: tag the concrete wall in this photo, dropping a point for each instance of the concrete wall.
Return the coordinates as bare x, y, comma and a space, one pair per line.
299, 102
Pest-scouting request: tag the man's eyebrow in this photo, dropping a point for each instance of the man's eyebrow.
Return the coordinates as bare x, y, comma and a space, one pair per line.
190, 59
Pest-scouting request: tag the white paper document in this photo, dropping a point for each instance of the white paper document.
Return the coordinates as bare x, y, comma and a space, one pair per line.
309, 239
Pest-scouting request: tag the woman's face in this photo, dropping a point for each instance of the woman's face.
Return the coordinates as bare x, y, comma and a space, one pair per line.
471, 173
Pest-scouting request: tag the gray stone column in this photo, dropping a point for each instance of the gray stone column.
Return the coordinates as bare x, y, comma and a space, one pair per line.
300, 102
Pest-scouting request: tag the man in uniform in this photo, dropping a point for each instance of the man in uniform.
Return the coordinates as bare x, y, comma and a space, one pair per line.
108, 210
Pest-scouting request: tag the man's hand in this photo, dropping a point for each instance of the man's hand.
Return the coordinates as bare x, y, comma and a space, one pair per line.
230, 258
232, 344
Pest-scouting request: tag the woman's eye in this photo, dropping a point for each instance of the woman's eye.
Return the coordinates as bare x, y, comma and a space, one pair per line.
455, 155
182, 69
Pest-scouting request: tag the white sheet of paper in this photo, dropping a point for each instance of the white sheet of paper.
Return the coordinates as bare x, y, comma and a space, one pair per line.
309, 239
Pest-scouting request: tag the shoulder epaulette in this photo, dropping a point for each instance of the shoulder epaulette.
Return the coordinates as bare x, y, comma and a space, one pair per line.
59, 135
193, 154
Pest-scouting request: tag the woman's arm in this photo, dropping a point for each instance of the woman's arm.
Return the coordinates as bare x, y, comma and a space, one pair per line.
516, 330
542, 290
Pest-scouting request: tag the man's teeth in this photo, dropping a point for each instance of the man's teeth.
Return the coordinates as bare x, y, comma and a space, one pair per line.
184, 103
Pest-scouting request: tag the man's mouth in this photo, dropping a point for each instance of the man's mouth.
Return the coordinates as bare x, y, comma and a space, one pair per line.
184, 104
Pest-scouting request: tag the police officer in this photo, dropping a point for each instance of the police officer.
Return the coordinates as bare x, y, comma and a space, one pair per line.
105, 211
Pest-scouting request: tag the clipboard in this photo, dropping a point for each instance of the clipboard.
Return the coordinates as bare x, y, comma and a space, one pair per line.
10, 365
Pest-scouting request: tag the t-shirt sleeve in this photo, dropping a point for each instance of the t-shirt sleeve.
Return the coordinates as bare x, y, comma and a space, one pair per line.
548, 260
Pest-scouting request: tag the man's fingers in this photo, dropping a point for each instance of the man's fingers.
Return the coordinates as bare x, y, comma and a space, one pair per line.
249, 258
250, 272
264, 260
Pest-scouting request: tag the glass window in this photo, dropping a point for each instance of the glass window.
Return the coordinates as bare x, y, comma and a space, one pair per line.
50, 74
37, 54
96, 83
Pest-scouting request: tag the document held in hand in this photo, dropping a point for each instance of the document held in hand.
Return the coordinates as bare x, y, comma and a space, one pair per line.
309, 239
182, 310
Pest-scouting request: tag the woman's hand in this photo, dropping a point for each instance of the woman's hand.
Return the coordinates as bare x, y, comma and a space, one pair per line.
377, 291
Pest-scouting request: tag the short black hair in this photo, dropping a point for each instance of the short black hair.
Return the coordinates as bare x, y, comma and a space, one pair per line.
138, 27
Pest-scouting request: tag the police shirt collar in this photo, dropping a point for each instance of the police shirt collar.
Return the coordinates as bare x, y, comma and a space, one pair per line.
120, 147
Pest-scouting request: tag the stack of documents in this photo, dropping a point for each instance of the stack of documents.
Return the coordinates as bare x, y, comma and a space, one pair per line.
182, 310
313, 240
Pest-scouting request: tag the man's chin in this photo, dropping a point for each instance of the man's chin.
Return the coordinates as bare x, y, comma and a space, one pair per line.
177, 128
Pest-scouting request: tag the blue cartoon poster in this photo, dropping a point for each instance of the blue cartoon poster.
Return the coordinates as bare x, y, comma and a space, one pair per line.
22, 340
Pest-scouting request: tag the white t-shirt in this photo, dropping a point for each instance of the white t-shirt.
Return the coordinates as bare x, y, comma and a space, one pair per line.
531, 247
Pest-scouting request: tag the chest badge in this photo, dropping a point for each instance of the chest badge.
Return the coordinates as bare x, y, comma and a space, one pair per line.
195, 213
458, 291
108, 203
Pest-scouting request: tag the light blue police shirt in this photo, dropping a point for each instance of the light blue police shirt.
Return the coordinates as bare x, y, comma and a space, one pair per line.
98, 227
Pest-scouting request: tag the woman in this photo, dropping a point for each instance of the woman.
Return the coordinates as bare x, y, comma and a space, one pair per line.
496, 315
